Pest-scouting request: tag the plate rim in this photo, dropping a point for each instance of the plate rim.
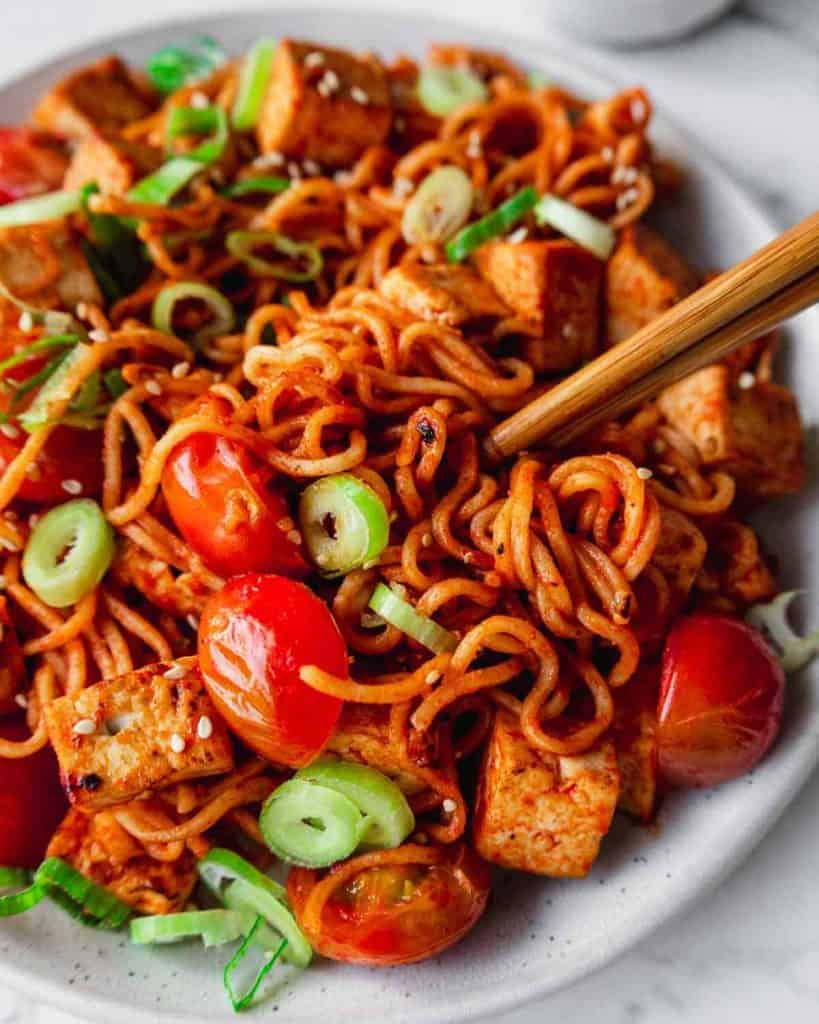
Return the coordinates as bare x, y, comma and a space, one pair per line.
593, 65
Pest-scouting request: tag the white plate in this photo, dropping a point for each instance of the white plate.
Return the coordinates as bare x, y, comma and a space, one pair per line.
538, 935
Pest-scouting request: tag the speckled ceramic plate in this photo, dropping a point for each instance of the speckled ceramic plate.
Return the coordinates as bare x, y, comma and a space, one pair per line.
538, 935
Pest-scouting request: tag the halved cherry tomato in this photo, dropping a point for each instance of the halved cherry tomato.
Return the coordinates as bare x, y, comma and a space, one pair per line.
396, 914
30, 162
220, 497
721, 697
32, 802
254, 636
70, 453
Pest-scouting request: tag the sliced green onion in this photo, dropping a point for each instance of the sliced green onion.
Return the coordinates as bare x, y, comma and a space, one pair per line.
115, 383
538, 80
242, 1002
34, 210
240, 886
442, 89
40, 412
35, 347
28, 895
85, 401
400, 613
310, 825
242, 245
252, 86
213, 927
221, 323
161, 186
174, 66
772, 620
249, 186
30, 384
388, 819
593, 234
79, 896
344, 523
496, 223
68, 552
115, 253
439, 208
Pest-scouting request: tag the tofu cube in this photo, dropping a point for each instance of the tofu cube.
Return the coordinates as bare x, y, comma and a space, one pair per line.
644, 278
12, 667
556, 286
323, 104
115, 165
44, 265
634, 734
136, 733
679, 554
736, 572
441, 293
99, 847
363, 735
100, 98
752, 433
543, 813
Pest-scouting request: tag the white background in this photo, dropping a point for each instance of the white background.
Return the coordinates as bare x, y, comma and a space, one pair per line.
749, 88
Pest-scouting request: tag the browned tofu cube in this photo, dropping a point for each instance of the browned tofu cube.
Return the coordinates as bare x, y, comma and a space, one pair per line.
100, 98
44, 265
444, 294
555, 285
363, 735
12, 668
135, 733
736, 574
323, 104
679, 554
543, 813
99, 847
114, 164
753, 433
634, 734
644, 278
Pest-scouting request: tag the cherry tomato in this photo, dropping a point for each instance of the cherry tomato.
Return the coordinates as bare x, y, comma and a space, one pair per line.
721, 697
70, 452
30, 162
220, 498
32, 802
254, 636
396, 914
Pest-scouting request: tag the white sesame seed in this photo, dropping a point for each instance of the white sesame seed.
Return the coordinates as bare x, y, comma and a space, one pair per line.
403, 187
85, 727
342, 177
427, 540
180, 370
314, 59
638, 109
431, 678
569, 331
81, 309
294, 536
607, 154
468, 558
8, 545
204, 728
175, 672
199, 100
311, 167
332, 80
617, 174
192, 621
9, 430
630, 175
99, 335
644, 473
518, 235
449, 805
272, 159
71, 486
323, 89
177, 743
359, 95
26, 321
474, 145
293, 169
153, 387
746, 381
21, 700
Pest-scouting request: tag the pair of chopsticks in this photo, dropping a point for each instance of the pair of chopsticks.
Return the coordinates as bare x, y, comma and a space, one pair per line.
777, 282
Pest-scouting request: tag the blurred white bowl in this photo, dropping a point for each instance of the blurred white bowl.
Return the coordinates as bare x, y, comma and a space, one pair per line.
629, 22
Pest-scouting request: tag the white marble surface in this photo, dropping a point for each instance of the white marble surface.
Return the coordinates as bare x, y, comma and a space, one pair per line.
749, 88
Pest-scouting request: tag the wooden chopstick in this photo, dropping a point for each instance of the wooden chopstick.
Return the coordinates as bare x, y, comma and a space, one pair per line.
775, 283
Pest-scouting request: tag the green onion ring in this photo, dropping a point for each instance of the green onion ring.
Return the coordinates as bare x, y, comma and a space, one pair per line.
240, 1003
79, 896
224, 316
584, 229
401, 614
443, 89
242, 243
310, 825
213, 927
28, 895
344, 523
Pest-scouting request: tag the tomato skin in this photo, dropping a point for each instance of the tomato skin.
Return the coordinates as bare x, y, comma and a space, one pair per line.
69, 452
721, 698
31, 162
254, 636
362, 924
220, 498
32, 801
